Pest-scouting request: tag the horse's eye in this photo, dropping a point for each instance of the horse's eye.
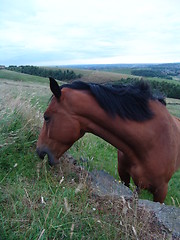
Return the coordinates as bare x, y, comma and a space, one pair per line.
46, 118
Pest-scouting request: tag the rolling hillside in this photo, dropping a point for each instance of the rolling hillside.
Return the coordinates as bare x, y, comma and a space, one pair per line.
101, 76
21, 77
87, 76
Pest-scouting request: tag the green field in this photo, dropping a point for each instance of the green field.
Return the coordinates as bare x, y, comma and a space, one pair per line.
88, 76
15, 76
36, 202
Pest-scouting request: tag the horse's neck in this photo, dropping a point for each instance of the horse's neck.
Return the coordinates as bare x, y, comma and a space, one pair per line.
135, 139
124, 135
177, 121
131, 137
105, 130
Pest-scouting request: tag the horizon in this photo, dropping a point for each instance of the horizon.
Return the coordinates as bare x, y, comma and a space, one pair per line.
91, 64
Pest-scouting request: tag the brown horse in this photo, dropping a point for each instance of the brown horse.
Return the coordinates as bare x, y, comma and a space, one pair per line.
129, 117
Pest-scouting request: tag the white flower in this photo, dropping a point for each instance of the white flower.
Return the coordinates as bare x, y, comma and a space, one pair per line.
15, 165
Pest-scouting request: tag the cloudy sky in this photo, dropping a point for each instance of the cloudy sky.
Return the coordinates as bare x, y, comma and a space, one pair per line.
61, 32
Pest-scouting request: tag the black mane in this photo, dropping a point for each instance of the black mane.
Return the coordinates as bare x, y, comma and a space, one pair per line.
128, 101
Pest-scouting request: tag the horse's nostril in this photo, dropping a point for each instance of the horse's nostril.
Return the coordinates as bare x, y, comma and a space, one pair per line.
40, 153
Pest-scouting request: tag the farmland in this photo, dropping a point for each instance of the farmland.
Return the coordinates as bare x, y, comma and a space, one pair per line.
38, 201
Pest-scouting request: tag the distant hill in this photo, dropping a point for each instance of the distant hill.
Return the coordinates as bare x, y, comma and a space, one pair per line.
171, 88
86, 76
101, 76
169, 71
118, 66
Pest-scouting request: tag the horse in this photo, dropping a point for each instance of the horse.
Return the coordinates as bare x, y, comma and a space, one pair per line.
130, 117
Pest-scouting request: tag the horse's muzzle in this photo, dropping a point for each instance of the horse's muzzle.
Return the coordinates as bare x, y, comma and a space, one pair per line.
42, 153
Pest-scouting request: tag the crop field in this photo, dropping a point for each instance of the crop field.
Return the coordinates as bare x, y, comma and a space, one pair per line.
42, 202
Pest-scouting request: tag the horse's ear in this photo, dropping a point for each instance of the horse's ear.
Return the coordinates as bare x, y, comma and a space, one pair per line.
55, 87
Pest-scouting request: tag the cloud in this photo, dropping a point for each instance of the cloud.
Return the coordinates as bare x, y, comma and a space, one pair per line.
89, 31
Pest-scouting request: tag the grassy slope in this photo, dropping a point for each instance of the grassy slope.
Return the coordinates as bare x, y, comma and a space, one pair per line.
88, 76
99, 76
127, 71
23, 213
163, 79
15, 76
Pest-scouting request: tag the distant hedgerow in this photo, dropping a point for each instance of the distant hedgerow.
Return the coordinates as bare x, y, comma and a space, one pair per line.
169, 89
46, 72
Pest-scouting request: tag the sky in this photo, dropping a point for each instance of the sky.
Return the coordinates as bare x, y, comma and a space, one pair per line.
66, 32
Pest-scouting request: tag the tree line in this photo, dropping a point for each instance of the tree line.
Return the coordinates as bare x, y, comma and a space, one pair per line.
46, 72
169, 89
150, 73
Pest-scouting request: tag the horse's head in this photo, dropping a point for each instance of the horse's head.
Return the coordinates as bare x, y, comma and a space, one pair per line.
60, 128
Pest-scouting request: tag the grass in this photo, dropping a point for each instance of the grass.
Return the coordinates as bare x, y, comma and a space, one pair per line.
88, 76
127, 72
162, 79
119, 70
101, 76
15, 76
174, 106
40, 202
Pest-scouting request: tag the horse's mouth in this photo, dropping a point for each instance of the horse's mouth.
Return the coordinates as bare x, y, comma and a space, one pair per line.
42, 152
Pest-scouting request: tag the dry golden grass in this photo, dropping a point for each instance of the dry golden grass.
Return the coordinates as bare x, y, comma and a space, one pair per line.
101, 77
